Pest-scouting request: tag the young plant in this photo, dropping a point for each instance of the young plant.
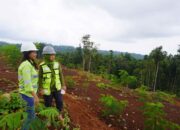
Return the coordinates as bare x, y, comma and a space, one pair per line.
11, 102
51, 114
103, 85
4, 101
38, 124
16, 102
66, 121
143, 94
70, 82
162, 96
12, 121
155, 117
112, 106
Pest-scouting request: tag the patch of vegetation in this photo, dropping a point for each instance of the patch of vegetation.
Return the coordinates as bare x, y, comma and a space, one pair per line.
11, 103
143, 94
12, 115
12, 54
50, 115
127, 80
155, 117
162, 96
102, 85
70, 82
112, 106
12, 121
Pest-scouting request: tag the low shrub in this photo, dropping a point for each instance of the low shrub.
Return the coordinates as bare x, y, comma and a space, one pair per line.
70, 82
112, 106
155, 117
102, 85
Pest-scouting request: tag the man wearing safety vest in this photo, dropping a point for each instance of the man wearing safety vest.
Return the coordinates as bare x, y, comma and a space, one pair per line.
28, 81
51, 79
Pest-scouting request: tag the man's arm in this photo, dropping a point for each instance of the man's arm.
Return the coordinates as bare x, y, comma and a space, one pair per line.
62, 77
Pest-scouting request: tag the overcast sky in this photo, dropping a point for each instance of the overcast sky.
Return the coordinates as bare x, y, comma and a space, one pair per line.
124, 25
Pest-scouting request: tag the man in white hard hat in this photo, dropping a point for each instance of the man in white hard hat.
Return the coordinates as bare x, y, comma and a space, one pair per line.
28, 81
51, 79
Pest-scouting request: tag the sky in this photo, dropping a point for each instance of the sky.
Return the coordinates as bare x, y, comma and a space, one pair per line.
136, 26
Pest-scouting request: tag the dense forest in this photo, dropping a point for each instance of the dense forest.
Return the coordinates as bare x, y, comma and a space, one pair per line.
158, 70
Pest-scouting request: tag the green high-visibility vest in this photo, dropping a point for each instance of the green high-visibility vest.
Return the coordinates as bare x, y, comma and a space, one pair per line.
47, 77
28, 78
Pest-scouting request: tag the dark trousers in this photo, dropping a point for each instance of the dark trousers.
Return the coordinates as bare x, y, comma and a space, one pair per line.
58, 99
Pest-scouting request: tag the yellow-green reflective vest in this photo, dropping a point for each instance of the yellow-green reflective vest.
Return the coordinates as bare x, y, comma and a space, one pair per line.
28, 78
47, 76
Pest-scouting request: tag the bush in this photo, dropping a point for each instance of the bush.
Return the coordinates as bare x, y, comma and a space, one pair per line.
16, 102
71, 66
127, 80
154, 117
4, 102
132, 82
11, 103
162, 96
51, 114
12, 54
112, 106
102, 85
12, 121
143, 94
70, 82
12, 115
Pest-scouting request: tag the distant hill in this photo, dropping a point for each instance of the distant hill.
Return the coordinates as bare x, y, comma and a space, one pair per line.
64, 49
134, 55
3, 43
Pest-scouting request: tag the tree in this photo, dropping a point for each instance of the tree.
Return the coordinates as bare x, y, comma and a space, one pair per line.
127, 80
157, 55
88, 52
40, 47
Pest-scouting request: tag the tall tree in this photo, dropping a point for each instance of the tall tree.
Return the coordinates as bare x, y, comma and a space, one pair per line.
88, 51
158, 55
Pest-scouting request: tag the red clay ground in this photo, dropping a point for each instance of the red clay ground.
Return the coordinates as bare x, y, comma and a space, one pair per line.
132, 118
83, 105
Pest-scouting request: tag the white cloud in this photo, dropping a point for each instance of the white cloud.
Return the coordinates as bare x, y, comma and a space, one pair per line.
133, 26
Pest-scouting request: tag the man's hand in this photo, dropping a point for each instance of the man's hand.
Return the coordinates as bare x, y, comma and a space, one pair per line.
36, 99
64, 88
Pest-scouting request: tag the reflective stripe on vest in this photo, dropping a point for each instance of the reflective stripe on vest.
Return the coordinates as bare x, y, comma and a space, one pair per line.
47, 75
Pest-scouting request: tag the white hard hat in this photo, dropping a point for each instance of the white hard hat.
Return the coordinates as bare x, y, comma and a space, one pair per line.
48, 50
28, 47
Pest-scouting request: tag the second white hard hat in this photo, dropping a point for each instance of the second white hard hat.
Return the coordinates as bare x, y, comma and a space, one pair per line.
48, 50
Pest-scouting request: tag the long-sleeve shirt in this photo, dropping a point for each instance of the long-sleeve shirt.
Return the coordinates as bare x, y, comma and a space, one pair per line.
28, 78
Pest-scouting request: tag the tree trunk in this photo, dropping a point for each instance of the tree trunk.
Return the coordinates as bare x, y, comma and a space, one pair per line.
173, 85
157, 69
89, 65
84, 63
149, 77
